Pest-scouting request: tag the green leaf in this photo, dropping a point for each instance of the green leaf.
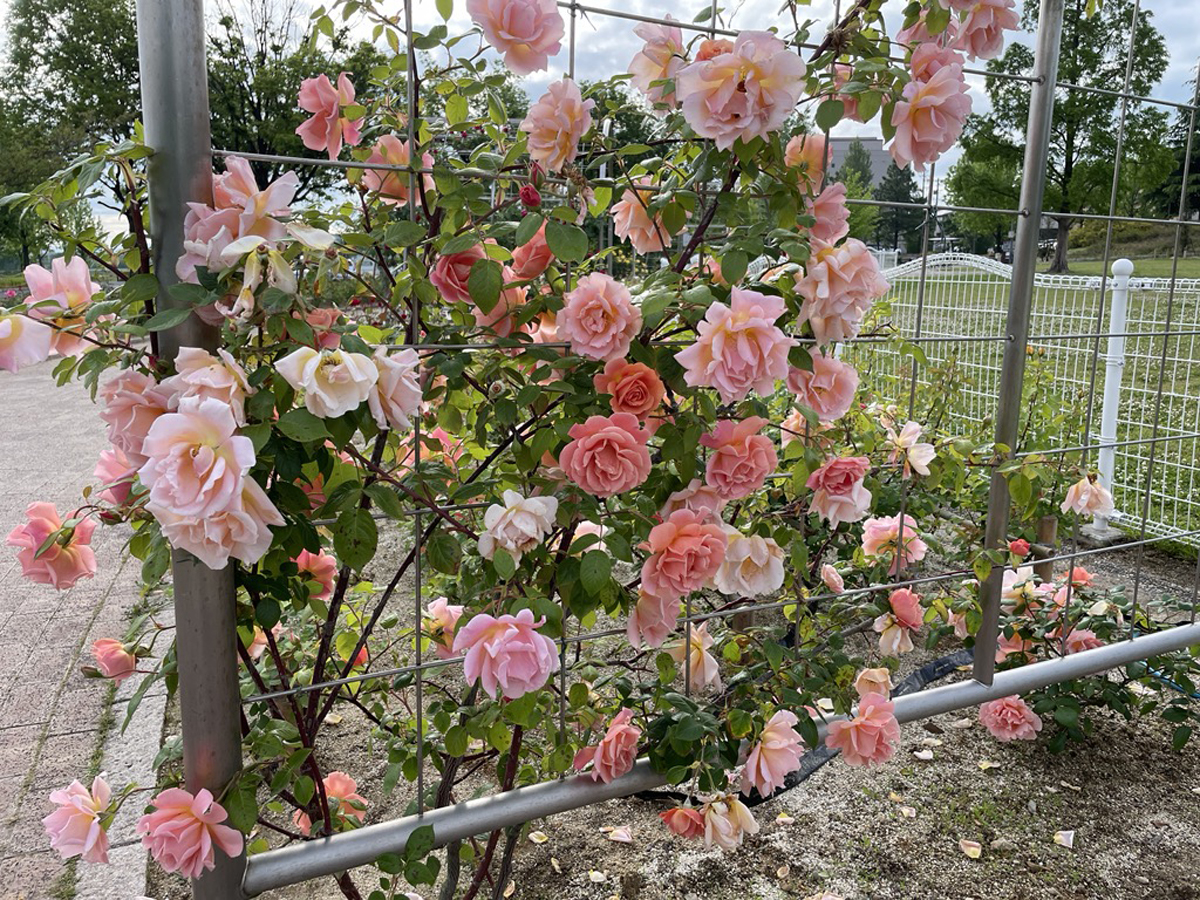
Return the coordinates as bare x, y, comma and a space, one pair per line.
829, 113
419, 843
527, 229
498, 736
504, 564
404, 233
355, 537
1067, 716
140, 288
983, 568
445, 8
457, 110
444, 553
1180, 736
524, 710
484, 284
1021, 489
241, 804
304, 789
567, 242
733, 266
595, 571
167, 318
301, 425
456, 740
387, 500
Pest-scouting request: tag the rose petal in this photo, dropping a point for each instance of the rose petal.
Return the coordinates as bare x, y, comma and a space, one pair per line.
538, 837
908, 812
1065, 839
986, 764
621, 834
596, 877
924, 755
972, 849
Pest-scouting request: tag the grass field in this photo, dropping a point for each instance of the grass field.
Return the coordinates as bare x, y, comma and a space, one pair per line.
1189, 267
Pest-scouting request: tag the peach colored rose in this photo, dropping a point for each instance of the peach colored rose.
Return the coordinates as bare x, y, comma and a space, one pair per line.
828, 390
396, 396
809, 155
328, 127
132, 403
533, 257
738, 347
518, 526
685, 553
958, 621
981, 32
659, 60
897, 627
450, 273
1078, 576
555, 124
320, 567
616, 752
684, 821
1079, 639
838, 285
1010, 719
66, 560
113, 660
693, 654
116, 476
334, 381
832, 579
607, 455
60, 297
526, 32
929, 117
242, 531
842, 75
918, 32
726, 822
882, 539
698, 497
392, 186
23, 341
1015, 645
635, 388
741, 459
76, 828
711, 48
598, 318
753, 566
506, 654
200, 374
831, 213
1089, 497
441, 618
928, 59
869, 738
322, 319
652, 620
775, 756
341, 792
838, 491
1018, 589
906, 447
874, 681
744, 93
631, 219
182, 831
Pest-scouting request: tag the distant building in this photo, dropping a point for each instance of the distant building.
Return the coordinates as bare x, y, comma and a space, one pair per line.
874, 147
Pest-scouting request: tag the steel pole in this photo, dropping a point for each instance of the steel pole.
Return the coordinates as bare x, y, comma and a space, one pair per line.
175, 113
1020, 302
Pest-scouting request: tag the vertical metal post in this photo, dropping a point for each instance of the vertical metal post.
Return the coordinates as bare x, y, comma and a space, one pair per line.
1114, 368
175, 112
1020, 302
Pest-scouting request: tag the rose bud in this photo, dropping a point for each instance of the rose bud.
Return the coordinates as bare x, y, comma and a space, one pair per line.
1019, 547
530, 196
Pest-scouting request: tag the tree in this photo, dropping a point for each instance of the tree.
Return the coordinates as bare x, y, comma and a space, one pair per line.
855, 173
857, 160
898, 186
988, 176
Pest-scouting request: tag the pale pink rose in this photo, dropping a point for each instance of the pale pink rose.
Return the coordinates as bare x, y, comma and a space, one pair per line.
116, 476
1079, 639
616, 752
182, 831
775, 756
506, 654
588, 529
320, 567
341, 792
831, 212
598, 318
555, 124
839, 283
918, 32
726, 822
828, 390
23, 341
874, 681
59, 297
843, 74
832, 579
711, 48
527, 32
684, 821
929, 117
660, 58
242, 531
897, 627
1010, 719
685, 553
1018, 589
132, 403
200, 374
746, 92
753, 566
518, 526
738, 347
958, 621
741, 459
76, 828
334, 381
396, 396
1089, 497
533, 257
795, 427
450, 273
607, 455
907, 447
870, 737
635, 388
113, 660
328, 127
632, 219
928, 59
838, 491
882, 539
809, 155
981, 32
322, 319
1016, 645
66, 560
392, 186
652, 620
207, 232
693, 654
441, 618
700, 498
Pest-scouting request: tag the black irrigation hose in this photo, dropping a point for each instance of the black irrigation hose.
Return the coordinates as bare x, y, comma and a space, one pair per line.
817, 757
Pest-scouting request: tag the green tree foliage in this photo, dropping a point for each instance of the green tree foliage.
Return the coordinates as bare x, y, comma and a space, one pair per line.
855, 173
898, 222
988, 175
857, 162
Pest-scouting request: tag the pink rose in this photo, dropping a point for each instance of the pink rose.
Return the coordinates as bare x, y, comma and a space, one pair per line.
831, 212
116, 476
441, 618
741, 459
396, 397
392, 186
322, 319
881, 539
200, 374
838, 285
607, 455
341, 792
450, 273
828, 390
907, 448
1010, 719
555, 124
929, 118
616, 752
598, 318
918, 32
873, 681
242, 531
744, 93
60, 297
1016, 645
870, 737
631, 219
527, 32
1080, 639
1019, 547
928, 59
692, 654
652, 620
66, 560
635, 388
684, 821
702, 499
1078, 576
838, 491
132, 403
328, 127
775, 756
809, 156
182, 831
23, 341
320, 567
843, 74
1089, 497
529, 196
533, 257
506, 654
76, 828
981, 32
113, 660
658, 61
685, 553
738, 347
726, 822
832, 579
897, 627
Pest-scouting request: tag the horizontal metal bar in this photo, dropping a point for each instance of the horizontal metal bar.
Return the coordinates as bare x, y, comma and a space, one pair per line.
312, 859
1088, 89
934, 208
1159, 439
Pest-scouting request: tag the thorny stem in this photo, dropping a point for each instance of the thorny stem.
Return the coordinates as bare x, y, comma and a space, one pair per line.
510, 774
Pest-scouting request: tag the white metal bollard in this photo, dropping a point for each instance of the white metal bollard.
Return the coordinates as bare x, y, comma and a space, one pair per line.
1114, 369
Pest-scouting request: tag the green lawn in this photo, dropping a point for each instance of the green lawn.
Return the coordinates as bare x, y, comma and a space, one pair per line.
1189, 267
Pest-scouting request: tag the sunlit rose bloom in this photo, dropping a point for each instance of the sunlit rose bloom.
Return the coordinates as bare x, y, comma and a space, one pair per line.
506, 655
635, 388
450, 273
775, 756
1018, 589
320, 567
23, 341
66, 560
341, 792
116, 475
334, 381
839, 494
132, 402
1010, 719
753, 566
242, 531
183, 830
907, 447
685, 553
874, 681
392, 186
746, 92
518, 526
607, 455
929, 118
527, 32
831, 212
741, 459
76, 828
328, 128
738, 347
616, 752
881, 539
870, 737
704, 670
1080, 639
659, 60
1089, 497
598, 318
200, 374
396, 397
809, 155
842, 75
440, 620
631, 219
981, 33
838, 286
700, 498
60, 297
832, 579
112, 659
726, 822
828, 390
897, 627
501, 319
555, 124
652, 620
1016, 646
928, 59
533, 257
918, 32
684, 821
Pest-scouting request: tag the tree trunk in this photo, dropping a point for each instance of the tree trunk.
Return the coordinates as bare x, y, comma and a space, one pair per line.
1059, 264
